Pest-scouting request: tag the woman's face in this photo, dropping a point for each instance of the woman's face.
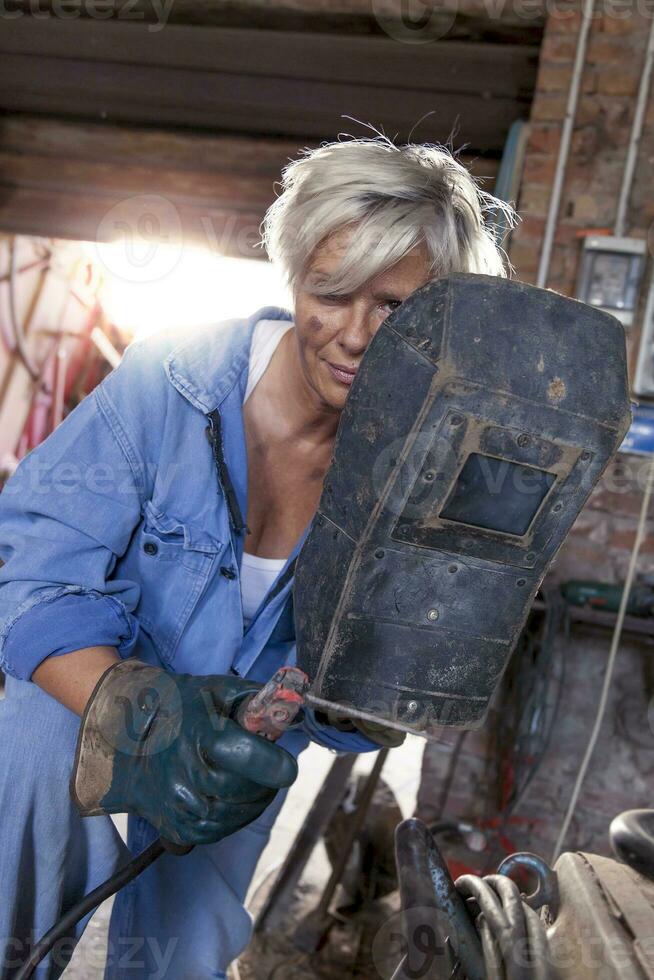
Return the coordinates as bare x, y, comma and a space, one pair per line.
333, 332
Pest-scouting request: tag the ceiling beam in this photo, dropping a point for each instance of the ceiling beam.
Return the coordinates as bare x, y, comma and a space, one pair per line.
264, 82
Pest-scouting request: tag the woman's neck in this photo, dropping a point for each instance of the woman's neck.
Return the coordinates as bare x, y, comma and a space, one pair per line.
287, 406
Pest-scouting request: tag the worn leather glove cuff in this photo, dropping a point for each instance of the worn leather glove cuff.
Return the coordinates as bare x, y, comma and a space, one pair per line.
119, 716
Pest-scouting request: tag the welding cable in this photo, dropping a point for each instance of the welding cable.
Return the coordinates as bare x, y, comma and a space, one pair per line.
512, 905
470, 886
539, 949
66, 925
492, 956
527, 931
510, 931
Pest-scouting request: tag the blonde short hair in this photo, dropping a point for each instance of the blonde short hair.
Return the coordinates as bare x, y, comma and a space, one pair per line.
398, 196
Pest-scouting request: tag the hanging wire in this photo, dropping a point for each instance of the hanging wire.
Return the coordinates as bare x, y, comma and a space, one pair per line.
610, 665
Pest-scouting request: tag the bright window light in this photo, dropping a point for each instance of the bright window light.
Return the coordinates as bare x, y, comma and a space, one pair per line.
165, 286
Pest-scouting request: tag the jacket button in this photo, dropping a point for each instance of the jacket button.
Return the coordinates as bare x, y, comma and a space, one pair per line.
150, 548
227, 572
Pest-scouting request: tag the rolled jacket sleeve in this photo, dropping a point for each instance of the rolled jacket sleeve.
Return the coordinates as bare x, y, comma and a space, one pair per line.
324, 734
333, 738
66, 515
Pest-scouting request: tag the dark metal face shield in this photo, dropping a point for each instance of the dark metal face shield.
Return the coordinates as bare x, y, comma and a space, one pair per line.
481, 418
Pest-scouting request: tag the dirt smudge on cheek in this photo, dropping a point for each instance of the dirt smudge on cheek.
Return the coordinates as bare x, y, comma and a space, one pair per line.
315, 324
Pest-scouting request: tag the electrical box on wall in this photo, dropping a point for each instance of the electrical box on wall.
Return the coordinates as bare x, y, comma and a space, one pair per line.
644, 379
610, 274
639, 440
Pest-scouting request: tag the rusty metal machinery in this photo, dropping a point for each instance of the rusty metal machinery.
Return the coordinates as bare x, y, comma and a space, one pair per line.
588, 917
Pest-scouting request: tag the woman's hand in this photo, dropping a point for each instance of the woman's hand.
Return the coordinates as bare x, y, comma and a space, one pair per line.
165, 746
387, 738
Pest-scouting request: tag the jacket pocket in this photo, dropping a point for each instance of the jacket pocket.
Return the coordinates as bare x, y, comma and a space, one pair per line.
175, 560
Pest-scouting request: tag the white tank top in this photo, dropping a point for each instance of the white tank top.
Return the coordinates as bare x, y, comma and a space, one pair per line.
258, 574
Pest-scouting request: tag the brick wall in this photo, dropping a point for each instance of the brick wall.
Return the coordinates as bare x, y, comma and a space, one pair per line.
600, 542
610, 79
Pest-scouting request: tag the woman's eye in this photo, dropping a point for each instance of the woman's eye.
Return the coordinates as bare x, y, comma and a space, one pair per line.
392, 304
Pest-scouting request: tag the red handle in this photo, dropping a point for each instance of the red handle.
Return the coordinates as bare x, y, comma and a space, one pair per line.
270, 712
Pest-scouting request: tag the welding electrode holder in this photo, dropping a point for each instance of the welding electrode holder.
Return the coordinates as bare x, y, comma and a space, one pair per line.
267, 712
167, 747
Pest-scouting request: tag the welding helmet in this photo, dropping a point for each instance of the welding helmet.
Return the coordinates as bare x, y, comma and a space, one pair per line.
481, 417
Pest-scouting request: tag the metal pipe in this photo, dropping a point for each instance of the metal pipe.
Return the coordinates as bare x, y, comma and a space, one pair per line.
311, 931
634, 139
426, 883
106, 348
355, 826
348, 711
61, 366
44, 264
564, 148
275, 910
14, 319
507, 183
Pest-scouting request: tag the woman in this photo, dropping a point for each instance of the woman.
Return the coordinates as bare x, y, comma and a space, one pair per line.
158, 527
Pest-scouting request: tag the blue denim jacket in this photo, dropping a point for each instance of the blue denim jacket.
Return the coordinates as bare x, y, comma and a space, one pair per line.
125, 527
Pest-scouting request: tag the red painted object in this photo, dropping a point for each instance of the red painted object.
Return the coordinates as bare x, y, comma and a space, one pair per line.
270, 712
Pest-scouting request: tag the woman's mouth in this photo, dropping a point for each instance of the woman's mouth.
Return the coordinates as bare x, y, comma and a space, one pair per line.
342, 374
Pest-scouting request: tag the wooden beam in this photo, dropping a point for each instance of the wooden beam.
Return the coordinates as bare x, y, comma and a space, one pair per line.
61, 179
266, 82
380, 62
49, 137
54, 214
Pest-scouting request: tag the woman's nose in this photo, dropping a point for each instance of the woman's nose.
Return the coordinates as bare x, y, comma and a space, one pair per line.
357, 332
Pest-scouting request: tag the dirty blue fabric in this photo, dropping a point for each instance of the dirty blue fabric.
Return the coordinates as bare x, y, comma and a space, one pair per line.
125, 528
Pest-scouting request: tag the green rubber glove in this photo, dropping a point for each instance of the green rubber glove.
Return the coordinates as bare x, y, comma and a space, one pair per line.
164, 746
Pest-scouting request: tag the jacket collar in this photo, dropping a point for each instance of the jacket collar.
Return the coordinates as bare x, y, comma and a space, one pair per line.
205, 367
